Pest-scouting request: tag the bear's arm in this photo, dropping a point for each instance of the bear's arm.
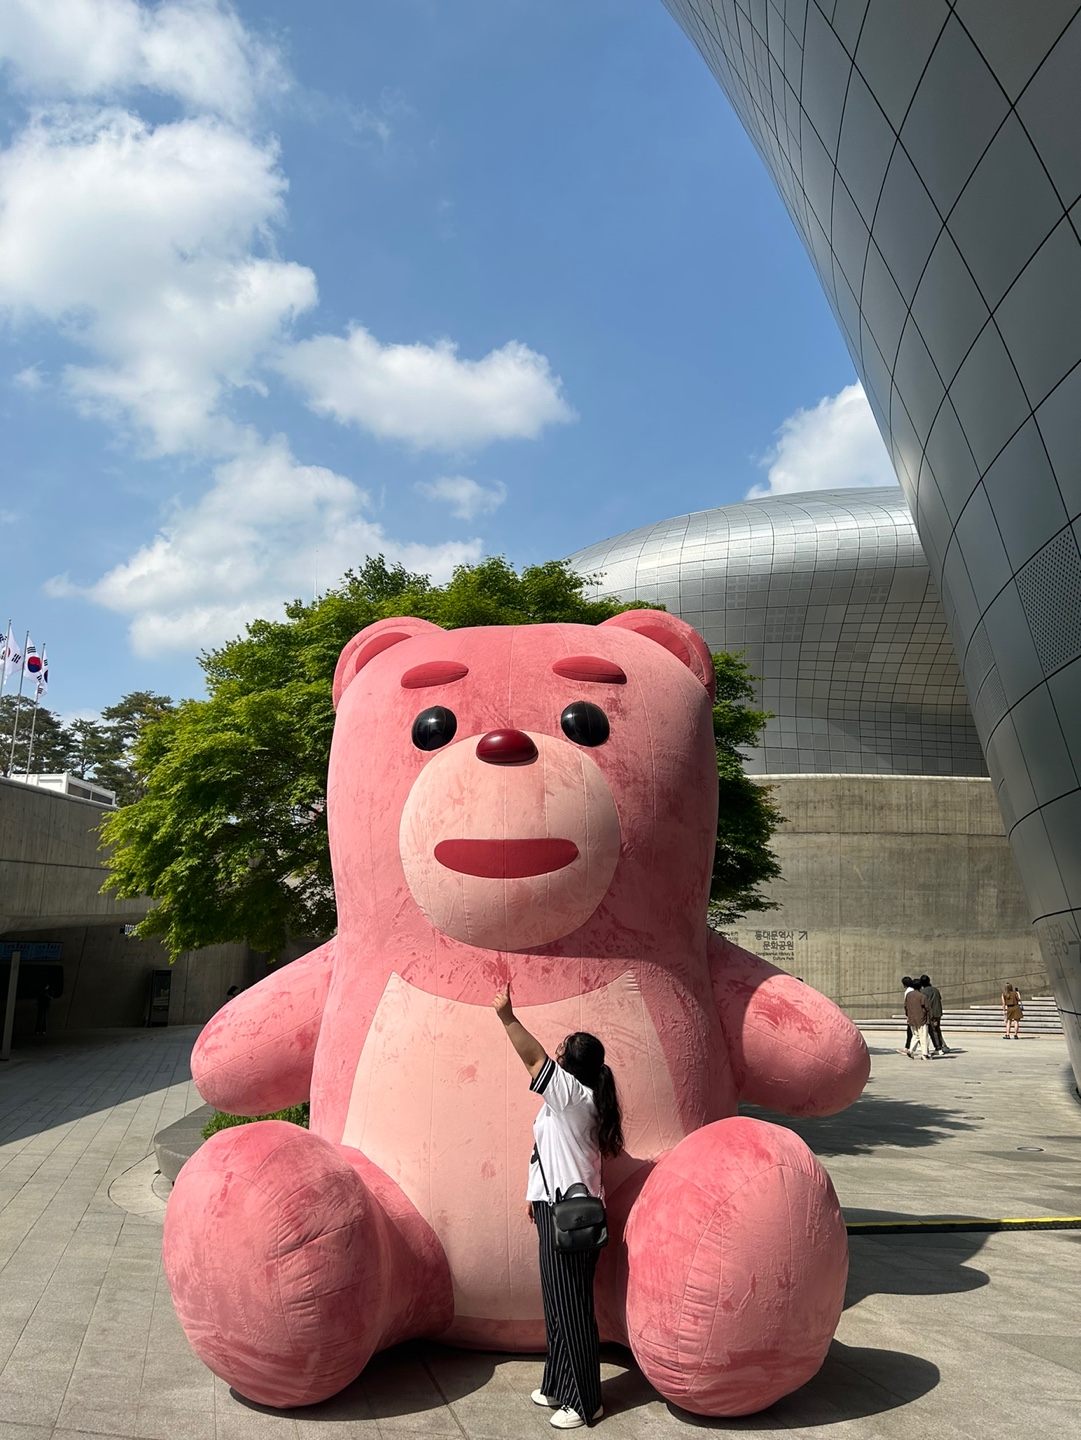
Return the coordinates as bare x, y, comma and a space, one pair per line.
791, 1049
256, 1054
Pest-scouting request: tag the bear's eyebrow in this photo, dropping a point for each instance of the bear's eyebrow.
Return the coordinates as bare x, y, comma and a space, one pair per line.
590, 667
434, 672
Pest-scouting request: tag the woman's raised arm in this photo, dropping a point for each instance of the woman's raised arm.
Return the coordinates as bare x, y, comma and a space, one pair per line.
530, 1051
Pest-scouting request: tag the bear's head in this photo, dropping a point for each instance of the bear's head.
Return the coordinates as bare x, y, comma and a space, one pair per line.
517, 788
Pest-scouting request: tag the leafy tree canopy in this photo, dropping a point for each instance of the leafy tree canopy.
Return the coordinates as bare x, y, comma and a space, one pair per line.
118, 735
229, 834
743, 860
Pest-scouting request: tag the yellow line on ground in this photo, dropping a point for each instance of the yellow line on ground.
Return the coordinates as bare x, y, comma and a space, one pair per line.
973, 1222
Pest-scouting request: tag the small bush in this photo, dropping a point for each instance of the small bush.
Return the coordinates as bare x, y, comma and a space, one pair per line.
295, 1115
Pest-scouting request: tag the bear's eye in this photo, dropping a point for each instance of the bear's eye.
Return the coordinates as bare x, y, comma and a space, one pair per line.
434, 728
584, 723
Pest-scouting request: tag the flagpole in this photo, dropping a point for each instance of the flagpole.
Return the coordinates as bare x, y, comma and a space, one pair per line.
33, 731
18, 709
4, 662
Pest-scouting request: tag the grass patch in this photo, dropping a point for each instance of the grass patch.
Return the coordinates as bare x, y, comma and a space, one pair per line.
295, 1115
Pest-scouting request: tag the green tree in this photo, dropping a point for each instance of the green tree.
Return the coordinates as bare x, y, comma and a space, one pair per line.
87, 742
104, 749
51, 752
743, 860
230, 834
122, 725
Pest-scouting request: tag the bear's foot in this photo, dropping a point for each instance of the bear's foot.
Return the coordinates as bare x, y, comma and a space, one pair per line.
737, 1260
287, 1272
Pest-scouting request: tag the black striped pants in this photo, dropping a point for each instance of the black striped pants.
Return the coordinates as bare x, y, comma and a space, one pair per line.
572, 1371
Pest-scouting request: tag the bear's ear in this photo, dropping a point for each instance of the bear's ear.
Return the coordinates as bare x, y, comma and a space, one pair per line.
372, 641
676, 636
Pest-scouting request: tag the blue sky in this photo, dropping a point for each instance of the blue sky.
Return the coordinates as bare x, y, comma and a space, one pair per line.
282, 286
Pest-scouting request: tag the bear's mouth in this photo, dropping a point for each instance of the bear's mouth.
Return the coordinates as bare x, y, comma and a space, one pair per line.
506, 859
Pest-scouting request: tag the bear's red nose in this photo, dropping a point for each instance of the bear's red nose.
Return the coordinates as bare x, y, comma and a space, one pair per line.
506, 747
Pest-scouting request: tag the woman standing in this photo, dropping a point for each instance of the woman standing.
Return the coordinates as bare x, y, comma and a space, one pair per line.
578, 1123
1011, 1010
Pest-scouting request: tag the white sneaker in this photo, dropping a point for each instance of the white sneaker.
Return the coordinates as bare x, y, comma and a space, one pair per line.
568, 1419
540, 1398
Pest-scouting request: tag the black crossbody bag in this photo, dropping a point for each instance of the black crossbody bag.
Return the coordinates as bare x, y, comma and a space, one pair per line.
579, 1224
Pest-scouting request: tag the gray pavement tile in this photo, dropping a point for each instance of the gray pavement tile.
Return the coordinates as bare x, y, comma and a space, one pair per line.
346, 1430
235, 1420
1062, 1350
101, 1400
64, 1432
13, 1430
32, 1394
54, 1343
165, 1421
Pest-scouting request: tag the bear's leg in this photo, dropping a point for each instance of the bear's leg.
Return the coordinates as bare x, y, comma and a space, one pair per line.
289, 1269
737, 1258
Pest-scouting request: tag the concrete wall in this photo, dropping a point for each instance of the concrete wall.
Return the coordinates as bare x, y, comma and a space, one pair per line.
51, 873
51, 869
107, 979
887, 875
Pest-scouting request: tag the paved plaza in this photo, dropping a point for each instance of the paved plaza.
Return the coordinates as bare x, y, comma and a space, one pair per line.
943, 1336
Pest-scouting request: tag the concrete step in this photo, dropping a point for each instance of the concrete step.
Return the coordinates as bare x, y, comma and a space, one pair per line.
1041, 1018
177, 1143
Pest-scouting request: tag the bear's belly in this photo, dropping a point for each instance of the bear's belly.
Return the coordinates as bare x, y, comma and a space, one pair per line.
441, 1103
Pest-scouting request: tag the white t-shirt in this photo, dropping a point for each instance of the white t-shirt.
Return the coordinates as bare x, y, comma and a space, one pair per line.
565, 1135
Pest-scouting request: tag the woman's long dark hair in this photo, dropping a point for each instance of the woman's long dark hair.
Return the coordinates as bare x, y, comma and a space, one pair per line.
582, 1055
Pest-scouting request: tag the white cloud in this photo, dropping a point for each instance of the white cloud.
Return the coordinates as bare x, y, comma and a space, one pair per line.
151, 249
832, 446
465, 497
425, 394
251, 542
141, 243
196, 51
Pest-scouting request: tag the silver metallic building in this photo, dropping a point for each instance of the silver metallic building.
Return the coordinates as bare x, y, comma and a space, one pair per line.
928, 154
830, 596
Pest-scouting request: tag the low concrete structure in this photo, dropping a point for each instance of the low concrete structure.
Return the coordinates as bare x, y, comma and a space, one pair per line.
51, 873
64, 783
890, 875
51, 864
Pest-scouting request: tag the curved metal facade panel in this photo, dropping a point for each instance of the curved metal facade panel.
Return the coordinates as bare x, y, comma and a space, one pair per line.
928, 154
830, 596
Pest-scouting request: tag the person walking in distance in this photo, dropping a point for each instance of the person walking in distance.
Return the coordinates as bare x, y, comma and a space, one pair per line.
918, 1013
933, 995
1012, 1010
578, 1124
907, 983
45, 999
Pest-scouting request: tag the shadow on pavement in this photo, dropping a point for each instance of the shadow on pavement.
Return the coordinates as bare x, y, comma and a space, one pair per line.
911, 1265
65, 1076
854, 1382
418, 1377
872, 1122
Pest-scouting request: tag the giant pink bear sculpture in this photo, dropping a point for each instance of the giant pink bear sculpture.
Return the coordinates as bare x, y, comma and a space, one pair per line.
535, 803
